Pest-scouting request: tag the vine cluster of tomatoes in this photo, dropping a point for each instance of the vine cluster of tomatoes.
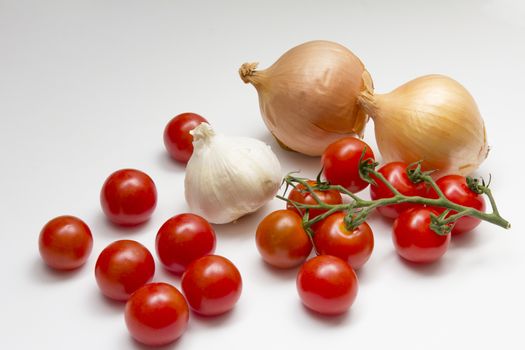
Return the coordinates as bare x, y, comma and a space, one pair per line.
426, 214
155, 313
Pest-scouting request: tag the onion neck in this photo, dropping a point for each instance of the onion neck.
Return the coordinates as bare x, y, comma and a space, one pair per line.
247, 71
368, 101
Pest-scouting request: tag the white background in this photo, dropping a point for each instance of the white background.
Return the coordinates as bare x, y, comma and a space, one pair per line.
86, 88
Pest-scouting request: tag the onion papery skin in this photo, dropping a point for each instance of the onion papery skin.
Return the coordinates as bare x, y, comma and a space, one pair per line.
309, 97
432, 119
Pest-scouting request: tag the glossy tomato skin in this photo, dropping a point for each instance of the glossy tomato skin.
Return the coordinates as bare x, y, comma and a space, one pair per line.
413, 238
177, 137
327, 284
333, 238
455, 188
128, 197
123, 267
282, 240
183, 239
297, 195
396, 174
156, 314
65, 242
212, 285
340, 162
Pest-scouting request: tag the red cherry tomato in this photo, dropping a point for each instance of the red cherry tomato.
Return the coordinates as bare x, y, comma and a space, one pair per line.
300, 195
65, 243
212, 285
156, 314
413, 238
455, 188
123, 267
281, 239
396, 174
177, 138
183, 239
327, 284
333, 238
128, 197
341, 163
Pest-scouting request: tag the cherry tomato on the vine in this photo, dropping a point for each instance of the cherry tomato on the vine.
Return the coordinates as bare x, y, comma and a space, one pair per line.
455, 188
128, 197
183, 239
300, 194
156, 314
177, 137
413, 238
331, 237
327, 284
281, 239
65, 242
123, 267
212, 285
396, 174
341, 163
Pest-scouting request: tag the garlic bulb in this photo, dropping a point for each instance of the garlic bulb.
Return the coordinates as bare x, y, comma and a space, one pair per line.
228, 177
432, 118
308, 97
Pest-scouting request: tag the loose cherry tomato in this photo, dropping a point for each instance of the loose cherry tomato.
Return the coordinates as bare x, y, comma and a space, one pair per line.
327, 284
455, 188
281, 239
156, 314
300, 195
183, 239
333, 238
413, 238
177, 138
212, 285
123, 267
396, 174
341, 163
128, 197
65, 242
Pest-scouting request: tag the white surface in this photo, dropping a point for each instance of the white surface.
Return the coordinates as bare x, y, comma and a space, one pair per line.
86, 88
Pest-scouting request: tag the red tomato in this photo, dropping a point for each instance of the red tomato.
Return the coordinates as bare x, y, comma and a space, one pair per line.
455, 188
177, 138
212, 285
123, 267
281, 239
333, 238
65, 243
183, 239
156, 314
413, 238
297, 195
327, 284
396, 174
341, 163
128, 197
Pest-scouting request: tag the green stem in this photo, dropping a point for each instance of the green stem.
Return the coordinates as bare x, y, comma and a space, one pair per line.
365, 207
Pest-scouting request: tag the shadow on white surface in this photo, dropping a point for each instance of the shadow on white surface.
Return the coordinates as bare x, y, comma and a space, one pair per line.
243, 228
434, 269
103, 226
328, 320
134, 344
217, 321
468, 240
169, 164
40, 272
105, 305
276, 273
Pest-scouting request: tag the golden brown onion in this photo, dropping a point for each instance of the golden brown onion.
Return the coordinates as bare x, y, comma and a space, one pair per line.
308, 97
432, 118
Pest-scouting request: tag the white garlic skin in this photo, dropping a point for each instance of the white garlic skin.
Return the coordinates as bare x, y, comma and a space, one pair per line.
228, 177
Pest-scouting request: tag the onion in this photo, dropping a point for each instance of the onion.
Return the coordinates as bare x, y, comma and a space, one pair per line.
432, 118
309, 97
